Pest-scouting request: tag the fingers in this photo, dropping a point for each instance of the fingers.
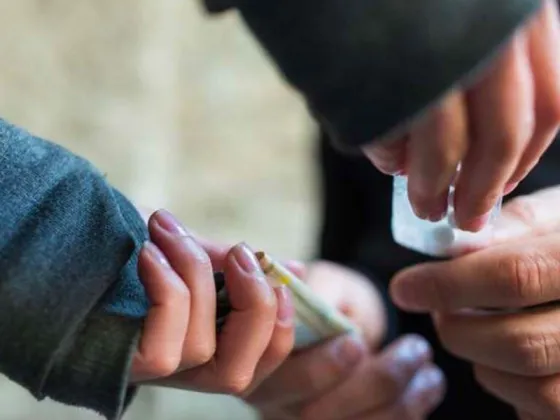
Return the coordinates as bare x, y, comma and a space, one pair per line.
543, 36
528, 215
311, 372
424, 393
501, 123
437, 144
352, 294
282, 340
193, 265
247, 332
388, 156
538, 397
376, 383
160, 347
523, 343
506, 276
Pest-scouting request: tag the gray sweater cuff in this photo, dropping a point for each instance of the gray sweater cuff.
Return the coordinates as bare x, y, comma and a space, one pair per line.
91, 369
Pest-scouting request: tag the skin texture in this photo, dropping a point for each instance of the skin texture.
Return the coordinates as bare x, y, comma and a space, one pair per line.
326, 381
179, 347
515, 353
349, 378
498, 127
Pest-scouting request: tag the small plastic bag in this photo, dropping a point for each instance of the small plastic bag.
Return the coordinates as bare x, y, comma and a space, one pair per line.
436, 239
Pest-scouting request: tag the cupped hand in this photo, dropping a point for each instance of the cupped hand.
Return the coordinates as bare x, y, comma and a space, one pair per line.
342, 380
498, 127
347, 377
178, 346
352, 294
515, 348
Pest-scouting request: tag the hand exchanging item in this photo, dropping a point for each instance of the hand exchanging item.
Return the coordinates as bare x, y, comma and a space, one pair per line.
515, 350
178, 346
348, 378
497, 127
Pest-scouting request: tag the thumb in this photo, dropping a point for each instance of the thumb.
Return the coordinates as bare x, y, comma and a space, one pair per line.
311, 372
528, 215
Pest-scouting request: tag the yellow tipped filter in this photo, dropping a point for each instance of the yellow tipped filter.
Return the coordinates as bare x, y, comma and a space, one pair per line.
316, 320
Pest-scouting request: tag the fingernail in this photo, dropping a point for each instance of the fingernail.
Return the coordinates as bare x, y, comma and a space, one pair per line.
437, 216
476, 224
286, 311
246, 259
424, 384
348, 351
156, 254
510, 187
169, 223
413, 349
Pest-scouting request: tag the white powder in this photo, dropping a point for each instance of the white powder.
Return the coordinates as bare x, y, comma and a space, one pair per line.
435, 239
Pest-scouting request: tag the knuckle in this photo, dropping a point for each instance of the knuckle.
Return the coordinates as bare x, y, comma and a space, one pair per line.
532, 352
201, 354
162, 365
510, 143
525, 275
236, 384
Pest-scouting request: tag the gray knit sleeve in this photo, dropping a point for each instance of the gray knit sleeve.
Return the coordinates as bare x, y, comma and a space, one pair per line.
71, 305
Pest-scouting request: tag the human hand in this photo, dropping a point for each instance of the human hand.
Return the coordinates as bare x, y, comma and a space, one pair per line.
343, 378
352, 294
516, 351
178, 346
498, 128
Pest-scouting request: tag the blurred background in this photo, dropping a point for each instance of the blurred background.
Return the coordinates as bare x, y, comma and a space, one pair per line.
181, 111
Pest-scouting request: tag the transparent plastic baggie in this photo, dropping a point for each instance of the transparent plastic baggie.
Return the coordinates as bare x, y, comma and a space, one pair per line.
437, 239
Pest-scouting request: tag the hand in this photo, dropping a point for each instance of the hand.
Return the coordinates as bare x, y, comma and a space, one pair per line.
352, 294
343, 379
340, 380
178, 346
516, 353
498, 128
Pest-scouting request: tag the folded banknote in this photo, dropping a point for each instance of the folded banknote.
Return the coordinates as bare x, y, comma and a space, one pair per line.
316, 320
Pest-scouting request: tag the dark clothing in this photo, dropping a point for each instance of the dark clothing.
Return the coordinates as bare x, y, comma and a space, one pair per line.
357, 232
366, 66
71, 303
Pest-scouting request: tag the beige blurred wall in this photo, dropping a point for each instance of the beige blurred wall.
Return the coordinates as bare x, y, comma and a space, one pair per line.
182, 112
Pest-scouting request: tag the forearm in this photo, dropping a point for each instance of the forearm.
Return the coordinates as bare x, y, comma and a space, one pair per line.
367, 66
71, 303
